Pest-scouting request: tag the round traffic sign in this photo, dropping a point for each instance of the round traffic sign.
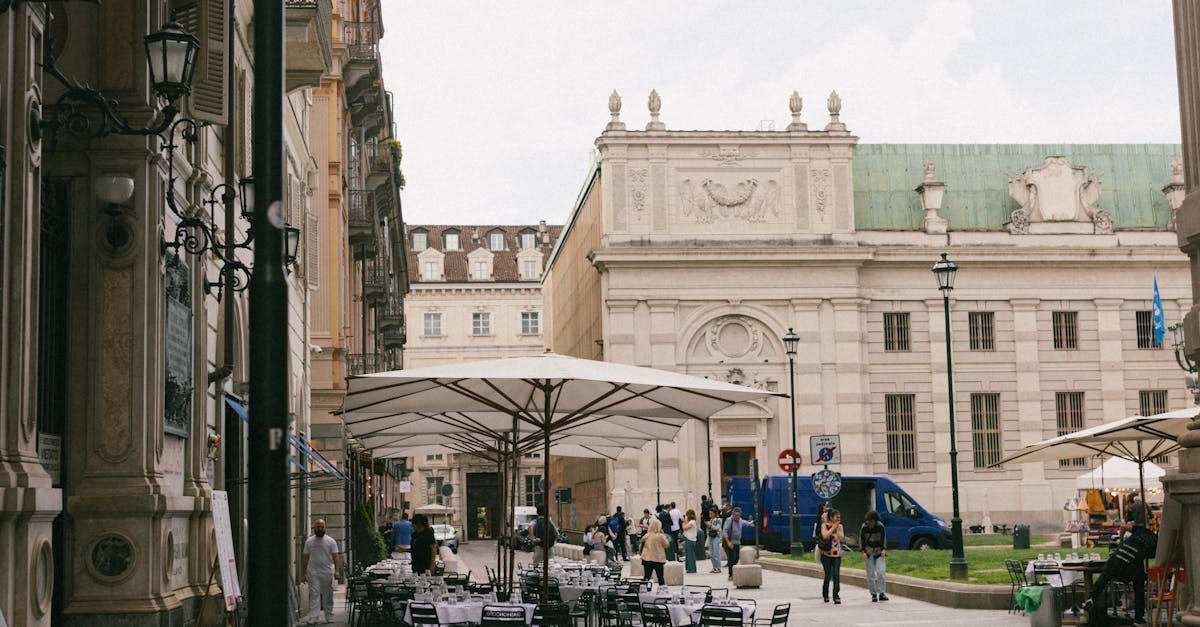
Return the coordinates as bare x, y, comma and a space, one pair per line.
787, 458
827, 483
447, 489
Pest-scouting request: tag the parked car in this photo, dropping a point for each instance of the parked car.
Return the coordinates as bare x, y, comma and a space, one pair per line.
909, 524
446, 536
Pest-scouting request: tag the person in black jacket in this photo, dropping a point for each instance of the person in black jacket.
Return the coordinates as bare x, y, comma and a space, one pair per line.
664, 516
1126, 563
873, 538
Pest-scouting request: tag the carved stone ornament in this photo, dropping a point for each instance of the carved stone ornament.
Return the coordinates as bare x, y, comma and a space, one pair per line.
1056, 191
930, 169
737, 376
734, 336
820, 187
709, 201
637, 188
614, 109
796, 104
727, 155
654, 103
111, 558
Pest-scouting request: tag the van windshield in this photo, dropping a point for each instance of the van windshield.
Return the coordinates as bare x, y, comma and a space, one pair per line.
898, 503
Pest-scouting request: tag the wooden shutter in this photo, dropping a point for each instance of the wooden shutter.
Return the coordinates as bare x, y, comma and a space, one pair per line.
312, 252
208, 20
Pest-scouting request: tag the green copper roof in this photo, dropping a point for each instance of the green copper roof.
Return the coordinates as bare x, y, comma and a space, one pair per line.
976, 178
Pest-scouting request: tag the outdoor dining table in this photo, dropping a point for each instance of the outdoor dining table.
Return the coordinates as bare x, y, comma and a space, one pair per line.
450, 612
685, 608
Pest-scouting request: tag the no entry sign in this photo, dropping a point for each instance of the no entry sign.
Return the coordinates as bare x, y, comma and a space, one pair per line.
787, 458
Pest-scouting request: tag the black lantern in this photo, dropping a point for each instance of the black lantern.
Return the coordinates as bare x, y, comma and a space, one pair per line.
172, 55
247, 185
291, 243
944, 271
790, 341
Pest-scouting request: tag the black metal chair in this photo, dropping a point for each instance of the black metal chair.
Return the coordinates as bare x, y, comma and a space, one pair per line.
423, 614
655, 614
554, 614
503, 616
720, 616
1017, 580
779, 617
583, 607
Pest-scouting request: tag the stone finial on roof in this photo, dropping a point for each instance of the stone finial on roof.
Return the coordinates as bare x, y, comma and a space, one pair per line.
614, 109
1176, 170
796, 104
655, 104
1175, 190
930, 169
835, 109
931, 192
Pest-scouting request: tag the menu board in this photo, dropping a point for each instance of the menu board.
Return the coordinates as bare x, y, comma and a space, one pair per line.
225, 558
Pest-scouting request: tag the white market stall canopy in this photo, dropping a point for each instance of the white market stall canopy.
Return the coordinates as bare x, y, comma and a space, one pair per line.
1118, 474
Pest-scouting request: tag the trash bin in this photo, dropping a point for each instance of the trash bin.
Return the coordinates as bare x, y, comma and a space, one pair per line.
1020, 536
1050, 612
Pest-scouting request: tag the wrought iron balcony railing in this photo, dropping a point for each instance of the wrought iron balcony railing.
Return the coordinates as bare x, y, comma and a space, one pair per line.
362, 40
363, 363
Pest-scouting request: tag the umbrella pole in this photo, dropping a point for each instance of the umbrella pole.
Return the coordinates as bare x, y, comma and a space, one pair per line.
546, 502
512, 503
1142, 479
500, 469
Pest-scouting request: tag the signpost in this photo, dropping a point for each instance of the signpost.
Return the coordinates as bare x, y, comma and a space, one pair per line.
827, 483
787, 458
825, 449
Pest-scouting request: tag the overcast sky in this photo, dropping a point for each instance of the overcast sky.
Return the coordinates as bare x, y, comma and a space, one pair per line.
498, 103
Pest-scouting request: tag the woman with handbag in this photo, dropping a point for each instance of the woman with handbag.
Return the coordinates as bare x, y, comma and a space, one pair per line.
713, 529
830, 546
654, 551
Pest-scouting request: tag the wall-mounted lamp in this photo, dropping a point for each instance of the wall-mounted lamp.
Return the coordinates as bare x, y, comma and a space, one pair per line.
291, 241
85, 112
114, 192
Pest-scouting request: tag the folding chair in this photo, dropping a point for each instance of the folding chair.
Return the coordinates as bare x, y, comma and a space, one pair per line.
423, 615
720, 616
1164, 581
655, 614
1016, 580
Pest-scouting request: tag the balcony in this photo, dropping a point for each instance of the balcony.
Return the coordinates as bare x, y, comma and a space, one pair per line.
360, 218
385, 202
379, 163
375, 281
394, 338
363, 363
362, 64
309, 42
391, 312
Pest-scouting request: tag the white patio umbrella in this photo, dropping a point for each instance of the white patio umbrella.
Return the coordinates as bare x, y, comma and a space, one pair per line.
551, 393
1138, 439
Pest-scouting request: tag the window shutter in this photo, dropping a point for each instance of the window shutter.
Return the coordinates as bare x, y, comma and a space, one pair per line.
208, 20
312, 254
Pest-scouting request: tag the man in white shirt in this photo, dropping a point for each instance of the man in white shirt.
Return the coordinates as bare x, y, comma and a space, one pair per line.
321, 564
676, 527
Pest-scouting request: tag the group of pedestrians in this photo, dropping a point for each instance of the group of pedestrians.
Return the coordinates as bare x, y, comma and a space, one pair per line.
873, 543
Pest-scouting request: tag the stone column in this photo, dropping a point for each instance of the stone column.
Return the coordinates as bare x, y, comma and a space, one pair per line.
28, 500
1184, 485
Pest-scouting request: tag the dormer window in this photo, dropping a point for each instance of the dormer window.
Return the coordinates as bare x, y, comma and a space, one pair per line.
481, 270
528, 239
420, 241
450, 241
479, 264
496, 240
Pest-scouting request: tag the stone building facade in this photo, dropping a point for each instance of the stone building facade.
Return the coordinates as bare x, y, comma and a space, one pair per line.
696, 251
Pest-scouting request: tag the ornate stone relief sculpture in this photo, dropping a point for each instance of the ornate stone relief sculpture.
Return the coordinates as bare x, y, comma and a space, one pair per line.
819, 179
637, 188
709, 201
734, 336
727, 155
737, 376
1060, 192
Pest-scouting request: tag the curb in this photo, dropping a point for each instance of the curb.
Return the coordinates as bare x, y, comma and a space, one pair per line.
945, 593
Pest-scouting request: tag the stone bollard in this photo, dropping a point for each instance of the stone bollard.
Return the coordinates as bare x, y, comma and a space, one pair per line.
673, 573
635, 568
747, 576
746, 556
597, 556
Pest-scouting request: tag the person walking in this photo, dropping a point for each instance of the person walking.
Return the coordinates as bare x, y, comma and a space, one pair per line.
731, 537
676, 528
643, 525
424, 546
663, 514
320, 565
691, 529
713, 532
619, 525
654, 552
536, 529
830, 547
402, 531
873, 538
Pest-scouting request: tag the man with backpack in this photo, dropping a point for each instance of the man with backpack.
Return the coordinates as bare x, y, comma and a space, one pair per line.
536, 529
620, 532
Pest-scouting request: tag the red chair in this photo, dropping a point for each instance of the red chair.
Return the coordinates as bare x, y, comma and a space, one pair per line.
1164, 581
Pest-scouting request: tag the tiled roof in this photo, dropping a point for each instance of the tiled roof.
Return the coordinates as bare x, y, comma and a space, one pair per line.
475, 236
976, 178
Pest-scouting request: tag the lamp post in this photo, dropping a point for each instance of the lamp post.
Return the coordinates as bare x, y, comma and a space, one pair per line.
944, 271
1178, 342
790, 341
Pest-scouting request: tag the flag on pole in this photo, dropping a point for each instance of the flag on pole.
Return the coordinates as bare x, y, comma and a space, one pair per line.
1160, 325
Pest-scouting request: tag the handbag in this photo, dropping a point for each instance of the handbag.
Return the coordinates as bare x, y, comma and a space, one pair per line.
825, 542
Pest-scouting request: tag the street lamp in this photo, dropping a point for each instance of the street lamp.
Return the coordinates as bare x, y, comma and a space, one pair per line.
1178, 342
790, 341
944, 271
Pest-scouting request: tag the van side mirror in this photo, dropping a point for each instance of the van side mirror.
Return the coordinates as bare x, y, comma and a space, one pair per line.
913, 513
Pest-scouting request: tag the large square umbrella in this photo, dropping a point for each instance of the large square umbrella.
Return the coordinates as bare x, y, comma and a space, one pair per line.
551, 393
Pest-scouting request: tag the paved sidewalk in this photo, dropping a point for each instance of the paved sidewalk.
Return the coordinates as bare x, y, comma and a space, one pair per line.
804, 593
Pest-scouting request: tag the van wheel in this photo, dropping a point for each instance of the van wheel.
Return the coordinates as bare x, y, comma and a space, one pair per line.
922, 544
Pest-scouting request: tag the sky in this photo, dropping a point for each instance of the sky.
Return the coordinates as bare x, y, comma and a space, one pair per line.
498, 104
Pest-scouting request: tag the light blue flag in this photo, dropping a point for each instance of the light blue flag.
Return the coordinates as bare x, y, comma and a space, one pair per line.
1160, 325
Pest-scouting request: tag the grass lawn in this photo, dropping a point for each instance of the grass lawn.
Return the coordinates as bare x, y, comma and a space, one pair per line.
993, 539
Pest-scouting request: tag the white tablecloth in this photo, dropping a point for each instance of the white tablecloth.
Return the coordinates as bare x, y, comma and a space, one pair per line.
1057, 578
467, 612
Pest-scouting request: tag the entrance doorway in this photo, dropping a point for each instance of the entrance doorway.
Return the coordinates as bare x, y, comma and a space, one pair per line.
735, 462
483, 505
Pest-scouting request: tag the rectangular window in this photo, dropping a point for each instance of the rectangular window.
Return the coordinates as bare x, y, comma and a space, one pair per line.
437, 457
533, 455
420, 241
481, 323
532, 494
531, 269
1066, 330
431, 271
528, 240
985, 429
450, 241
901, 431
481, 269
496, 241
433, 489
1150, 403
432, 324
1145, 331
531, 323
1068, 412
895, 331
983, 330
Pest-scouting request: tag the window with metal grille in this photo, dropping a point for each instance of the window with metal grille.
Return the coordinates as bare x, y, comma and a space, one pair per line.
481, 323
433, 489
431, 324
531, 490
985, 429
901, 432
895, 331
1068, 413
531, 323
1066, 330
1150, 403
1145, 331
983, 330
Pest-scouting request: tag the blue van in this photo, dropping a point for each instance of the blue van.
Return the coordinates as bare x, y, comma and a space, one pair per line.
909, 525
